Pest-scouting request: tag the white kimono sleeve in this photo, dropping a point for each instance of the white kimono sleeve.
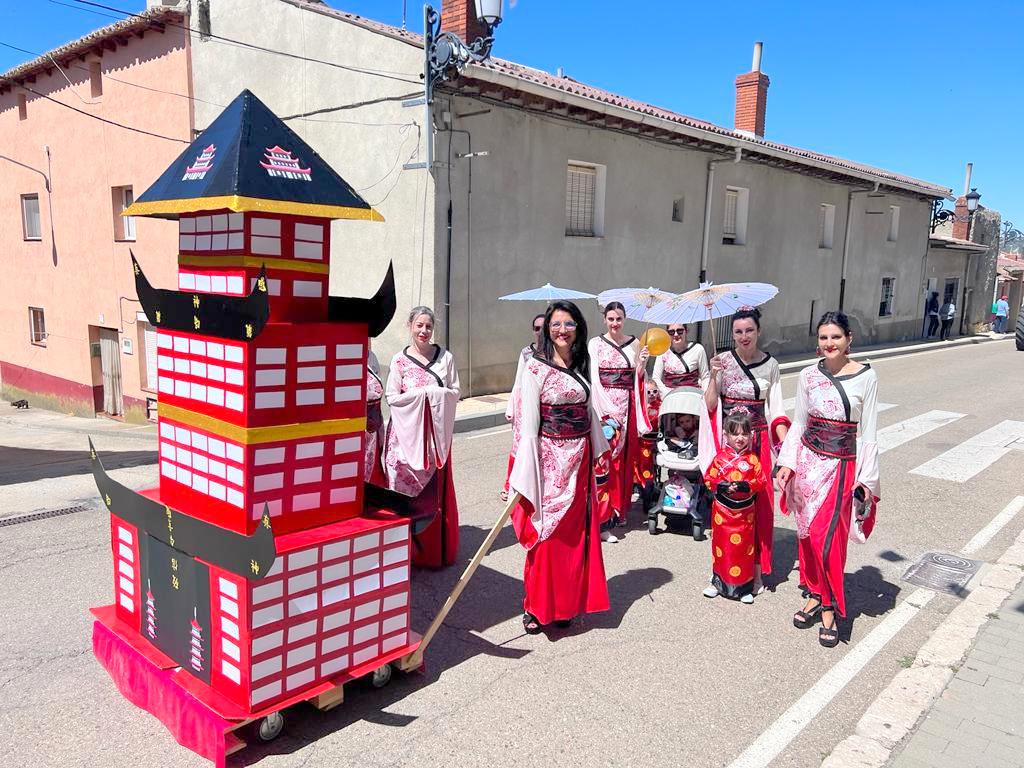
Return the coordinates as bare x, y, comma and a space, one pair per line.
775, 412
424, 419
704, 370
787, 454
867, 450
513, 397
602, 403
659, 374
525, 477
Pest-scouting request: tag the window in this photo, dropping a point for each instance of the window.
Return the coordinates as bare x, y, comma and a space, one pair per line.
30, 217
37, 326
124, 226
950, 291
147, 352
826, 225
584, 200
677, 209
734, 221
894, 224
22, 107
885, 302
95, 79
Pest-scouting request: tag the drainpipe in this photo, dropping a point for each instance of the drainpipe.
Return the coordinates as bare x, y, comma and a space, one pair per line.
846, 239
709, 192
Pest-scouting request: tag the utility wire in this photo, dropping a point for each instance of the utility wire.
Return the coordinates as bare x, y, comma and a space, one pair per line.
388, 75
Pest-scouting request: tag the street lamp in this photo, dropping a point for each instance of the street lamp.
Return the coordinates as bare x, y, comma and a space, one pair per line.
446, 53
942, 215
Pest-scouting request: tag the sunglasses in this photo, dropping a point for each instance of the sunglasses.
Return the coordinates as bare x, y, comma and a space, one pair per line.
570, 326
677, 332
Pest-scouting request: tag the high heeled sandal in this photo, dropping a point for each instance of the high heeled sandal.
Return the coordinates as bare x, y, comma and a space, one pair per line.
828, 637
806, 619
530, 624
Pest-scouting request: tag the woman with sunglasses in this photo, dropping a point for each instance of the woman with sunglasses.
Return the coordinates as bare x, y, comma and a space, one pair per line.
422, 392
685, 364
747, 378
616, 376
512, 409
561, 437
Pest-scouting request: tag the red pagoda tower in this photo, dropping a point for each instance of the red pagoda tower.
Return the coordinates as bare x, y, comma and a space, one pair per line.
261, 571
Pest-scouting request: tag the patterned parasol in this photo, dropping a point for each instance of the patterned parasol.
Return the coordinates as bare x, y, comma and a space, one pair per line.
710, 301
637, 301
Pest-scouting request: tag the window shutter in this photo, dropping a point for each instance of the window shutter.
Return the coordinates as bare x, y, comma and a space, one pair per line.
149, 339
729, 222
581, 183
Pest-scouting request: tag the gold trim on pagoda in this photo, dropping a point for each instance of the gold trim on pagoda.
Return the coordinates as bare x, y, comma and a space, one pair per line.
241, 204
257, 435
254, 262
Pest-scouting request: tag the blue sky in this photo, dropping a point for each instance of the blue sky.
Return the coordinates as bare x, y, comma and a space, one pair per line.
919, 88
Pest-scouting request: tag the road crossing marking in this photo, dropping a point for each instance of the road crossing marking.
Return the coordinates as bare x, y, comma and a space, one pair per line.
789, 404
984, 536
963, 462
904, 431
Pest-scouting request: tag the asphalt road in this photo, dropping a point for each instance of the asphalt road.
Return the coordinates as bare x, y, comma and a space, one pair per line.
666, 678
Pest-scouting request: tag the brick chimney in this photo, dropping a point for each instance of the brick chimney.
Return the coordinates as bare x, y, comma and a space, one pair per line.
752, 98
459, 16
961, 220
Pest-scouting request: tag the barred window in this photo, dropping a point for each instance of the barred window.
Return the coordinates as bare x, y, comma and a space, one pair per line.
580, 198
888, 292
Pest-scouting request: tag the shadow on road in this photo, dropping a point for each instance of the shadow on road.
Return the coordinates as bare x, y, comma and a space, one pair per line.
24, 465
867, 594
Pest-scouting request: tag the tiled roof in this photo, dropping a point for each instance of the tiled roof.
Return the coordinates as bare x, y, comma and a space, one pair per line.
946, 241
134, 23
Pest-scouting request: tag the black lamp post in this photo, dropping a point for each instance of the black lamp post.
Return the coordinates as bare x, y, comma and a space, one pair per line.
943, 215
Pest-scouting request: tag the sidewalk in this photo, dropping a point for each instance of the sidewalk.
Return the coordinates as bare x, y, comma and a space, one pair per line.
979, 718
486, 411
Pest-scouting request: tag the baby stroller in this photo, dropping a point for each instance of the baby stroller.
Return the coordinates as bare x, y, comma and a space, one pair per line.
680, 493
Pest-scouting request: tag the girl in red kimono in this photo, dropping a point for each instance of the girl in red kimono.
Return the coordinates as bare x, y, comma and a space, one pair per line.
829, 476
373, 447
616, 378
734, 478
512, 409
556, 519
422, 392
750, 379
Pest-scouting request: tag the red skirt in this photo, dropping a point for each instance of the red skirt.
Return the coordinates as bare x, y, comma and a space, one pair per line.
437, 545
615, 495
564, 574
822, 553
732, 548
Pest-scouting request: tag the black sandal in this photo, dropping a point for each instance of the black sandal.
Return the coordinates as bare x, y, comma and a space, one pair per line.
806, 619
530, 624
829, 636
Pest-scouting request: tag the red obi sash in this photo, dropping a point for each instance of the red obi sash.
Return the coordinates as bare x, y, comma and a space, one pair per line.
617, 378
754, 410
833, 439
688, 379
564, 421
374, 416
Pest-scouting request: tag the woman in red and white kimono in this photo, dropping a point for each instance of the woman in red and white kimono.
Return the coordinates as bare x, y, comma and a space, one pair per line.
616, 377
422, 392
373, 446
512, 409
556, 519
750, 379
685, 364
831, 482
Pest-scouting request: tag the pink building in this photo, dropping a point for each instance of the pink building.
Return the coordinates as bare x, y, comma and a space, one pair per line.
80, 135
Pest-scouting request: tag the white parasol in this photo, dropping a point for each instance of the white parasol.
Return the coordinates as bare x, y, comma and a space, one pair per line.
547, 292
637, 301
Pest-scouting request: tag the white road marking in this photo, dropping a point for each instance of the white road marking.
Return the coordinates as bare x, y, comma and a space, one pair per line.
779, 734
790, 723
904, 431
790, 404
963, 462
478, 435
984, 536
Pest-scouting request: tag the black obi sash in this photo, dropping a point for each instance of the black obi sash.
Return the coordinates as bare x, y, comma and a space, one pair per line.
754, 410
833, 439
564, 421
688, 379
374, 416
617, 378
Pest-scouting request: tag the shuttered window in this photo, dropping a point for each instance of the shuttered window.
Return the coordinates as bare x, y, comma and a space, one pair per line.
147, 337
732, 197
580, 195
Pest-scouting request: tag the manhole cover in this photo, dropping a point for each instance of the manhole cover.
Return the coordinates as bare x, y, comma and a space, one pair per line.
941, 572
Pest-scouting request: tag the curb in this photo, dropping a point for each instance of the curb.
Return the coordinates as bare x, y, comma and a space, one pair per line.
471, 422
893, 716
880, 353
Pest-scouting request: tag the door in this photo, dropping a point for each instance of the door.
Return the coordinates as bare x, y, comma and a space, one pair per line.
110, 366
